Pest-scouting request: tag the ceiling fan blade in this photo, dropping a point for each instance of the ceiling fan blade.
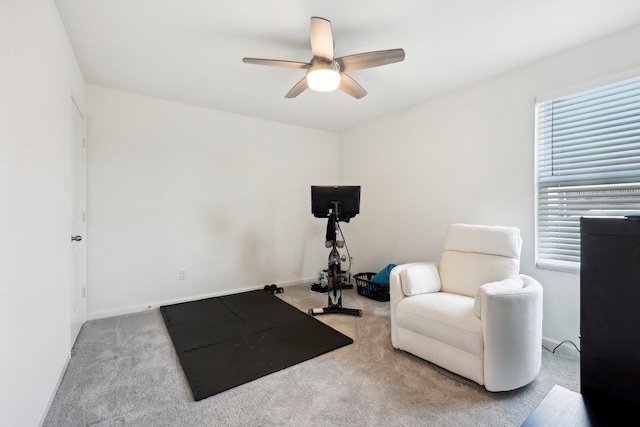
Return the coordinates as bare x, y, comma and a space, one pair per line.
276, 63
361, 61
350, 86
300, 87
321, 39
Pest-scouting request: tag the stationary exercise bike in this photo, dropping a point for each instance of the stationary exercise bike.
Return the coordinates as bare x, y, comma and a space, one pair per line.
334, 272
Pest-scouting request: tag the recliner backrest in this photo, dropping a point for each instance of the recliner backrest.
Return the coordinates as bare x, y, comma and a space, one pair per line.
478, 254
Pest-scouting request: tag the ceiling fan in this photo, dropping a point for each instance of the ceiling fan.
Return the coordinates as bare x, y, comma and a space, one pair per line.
326, 73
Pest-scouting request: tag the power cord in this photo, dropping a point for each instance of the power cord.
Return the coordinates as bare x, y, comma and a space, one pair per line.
556, 347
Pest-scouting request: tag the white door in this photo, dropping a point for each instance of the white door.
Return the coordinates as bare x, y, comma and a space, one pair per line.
77, 222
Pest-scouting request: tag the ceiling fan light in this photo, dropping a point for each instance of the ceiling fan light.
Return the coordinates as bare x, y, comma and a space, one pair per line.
323, 80
323, 76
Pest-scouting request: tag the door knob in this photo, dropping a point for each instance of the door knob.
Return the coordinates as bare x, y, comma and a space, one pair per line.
76, 238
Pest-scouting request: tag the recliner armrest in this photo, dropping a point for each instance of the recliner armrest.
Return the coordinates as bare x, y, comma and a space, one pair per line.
512, 334
396, 293
397, 276
502, 287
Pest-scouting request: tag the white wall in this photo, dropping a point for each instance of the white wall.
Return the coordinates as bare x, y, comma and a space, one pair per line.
227, 197
38, 76
468, 156
222, 196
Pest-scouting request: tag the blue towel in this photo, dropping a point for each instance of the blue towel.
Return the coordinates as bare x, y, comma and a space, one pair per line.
382, 278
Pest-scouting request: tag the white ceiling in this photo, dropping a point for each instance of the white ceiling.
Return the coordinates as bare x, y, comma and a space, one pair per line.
191, 51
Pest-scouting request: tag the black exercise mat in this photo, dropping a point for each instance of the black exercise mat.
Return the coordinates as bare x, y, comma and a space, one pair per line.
227, 341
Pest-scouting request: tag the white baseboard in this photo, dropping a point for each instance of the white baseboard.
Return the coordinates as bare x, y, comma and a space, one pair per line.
156, 304
54, 389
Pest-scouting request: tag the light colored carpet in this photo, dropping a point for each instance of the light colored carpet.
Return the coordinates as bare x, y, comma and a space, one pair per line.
124, 372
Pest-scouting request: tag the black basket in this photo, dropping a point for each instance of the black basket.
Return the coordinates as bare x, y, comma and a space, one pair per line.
371, 290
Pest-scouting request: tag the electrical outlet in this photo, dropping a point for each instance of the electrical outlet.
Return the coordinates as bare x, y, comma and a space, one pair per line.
182, 274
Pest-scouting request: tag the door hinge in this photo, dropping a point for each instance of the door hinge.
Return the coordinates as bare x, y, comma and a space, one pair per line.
84, 291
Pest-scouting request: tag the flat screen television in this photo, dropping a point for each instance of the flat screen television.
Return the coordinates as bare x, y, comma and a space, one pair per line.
323, 198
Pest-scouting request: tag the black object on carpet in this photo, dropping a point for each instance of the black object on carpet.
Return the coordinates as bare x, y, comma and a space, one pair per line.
227, 341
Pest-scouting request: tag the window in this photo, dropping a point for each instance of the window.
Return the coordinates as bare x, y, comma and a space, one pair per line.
588, 164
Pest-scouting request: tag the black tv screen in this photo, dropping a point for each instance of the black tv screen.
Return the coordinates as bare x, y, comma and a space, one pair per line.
323, 198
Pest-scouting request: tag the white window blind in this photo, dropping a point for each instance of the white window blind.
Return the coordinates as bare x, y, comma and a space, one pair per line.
588, 164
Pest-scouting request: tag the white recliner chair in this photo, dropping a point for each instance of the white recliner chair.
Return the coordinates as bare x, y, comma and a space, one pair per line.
472, 313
